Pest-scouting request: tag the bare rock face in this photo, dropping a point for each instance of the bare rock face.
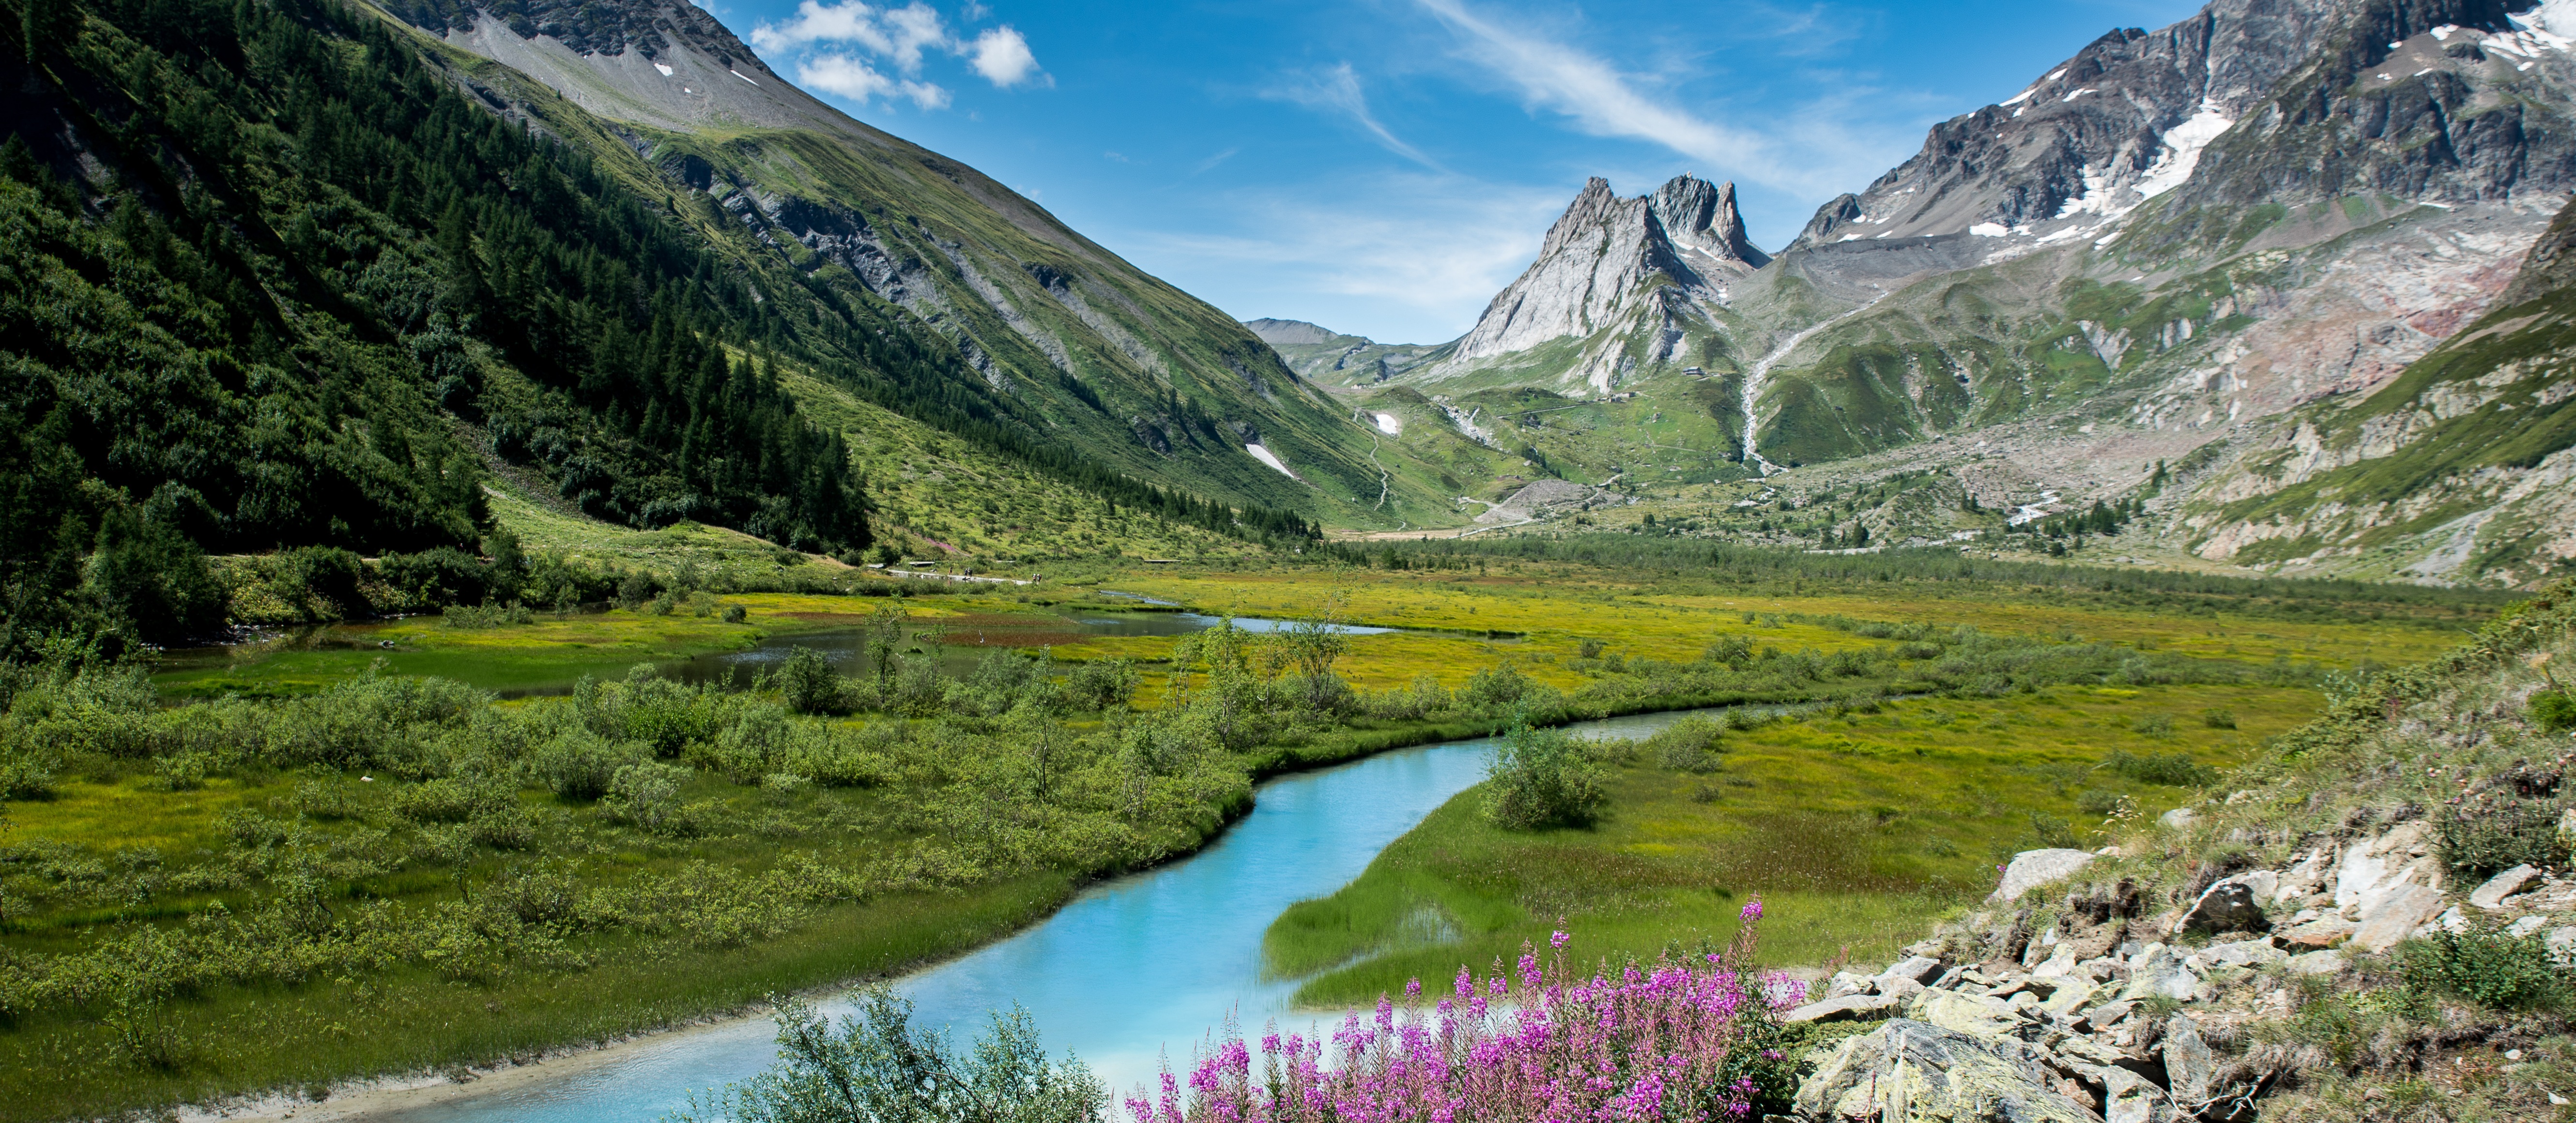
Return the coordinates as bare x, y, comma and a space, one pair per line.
2031, 869
1599, 259
2232, 905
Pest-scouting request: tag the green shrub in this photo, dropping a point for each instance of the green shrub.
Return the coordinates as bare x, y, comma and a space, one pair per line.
580, 764
735, 614
2483, 838
2099, 801
875, 1065
2554, 710
1689, 745
2486, 966
2175, 769
451, 799
1101, 684
646, 796
2218, 717
2053, 832
810, 685
1495, 687
1544, 778
2153, 725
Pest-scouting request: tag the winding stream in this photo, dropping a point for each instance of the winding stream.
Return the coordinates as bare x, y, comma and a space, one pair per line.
1128, 972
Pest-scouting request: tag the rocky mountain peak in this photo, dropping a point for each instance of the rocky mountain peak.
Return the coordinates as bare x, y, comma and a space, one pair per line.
1596, 267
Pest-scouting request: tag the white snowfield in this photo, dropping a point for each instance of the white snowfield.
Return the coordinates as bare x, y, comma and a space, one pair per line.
1390, 424
1264, 455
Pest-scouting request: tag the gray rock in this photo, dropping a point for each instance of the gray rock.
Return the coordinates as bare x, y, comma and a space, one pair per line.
1968, 1013
2031, 869
1851, 1007
2492, 894
1918, 969
2189, 1067
2232, 905
2177, 819
2527, 925
2072, 995
1909, 1070
2316, 963
2247, 953
2396, 917
2562, 942
2110, 1013
2158, 970
2130, 1098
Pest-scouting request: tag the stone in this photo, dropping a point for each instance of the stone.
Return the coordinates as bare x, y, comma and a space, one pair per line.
2158, 970
1850, 1007
2562, 942
2396, 917
1967, 1013
2072, 995
2059, 965
2031, 869
2189, 1067
2177, 819
2130, 1098
2302, 880
2323, 933
2315, 963
2247, 953
2232, 905
1911, 1070
1918, 969
2492, 894
2110, 1013
2525, 926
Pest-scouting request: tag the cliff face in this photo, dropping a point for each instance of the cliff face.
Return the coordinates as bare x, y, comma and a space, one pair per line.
1605, 259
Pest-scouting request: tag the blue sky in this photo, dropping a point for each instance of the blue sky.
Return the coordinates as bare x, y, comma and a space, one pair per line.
1383, 167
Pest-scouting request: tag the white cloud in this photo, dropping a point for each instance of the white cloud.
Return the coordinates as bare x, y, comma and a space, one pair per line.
1001, 55
899, 37
1338, 90
1414, 260
854, 79
1605, 102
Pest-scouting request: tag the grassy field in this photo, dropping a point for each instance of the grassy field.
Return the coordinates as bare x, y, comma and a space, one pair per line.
1855, 829
1868, 813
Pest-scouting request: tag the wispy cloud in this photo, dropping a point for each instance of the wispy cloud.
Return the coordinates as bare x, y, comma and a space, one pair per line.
1602, 100
898, 37
1413, 263
1209, 164
1337, 90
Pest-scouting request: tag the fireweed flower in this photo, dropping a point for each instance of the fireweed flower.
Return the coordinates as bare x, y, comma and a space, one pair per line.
1644, 1042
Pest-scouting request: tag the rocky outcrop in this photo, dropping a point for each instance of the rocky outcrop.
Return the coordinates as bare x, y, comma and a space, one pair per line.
1605, 260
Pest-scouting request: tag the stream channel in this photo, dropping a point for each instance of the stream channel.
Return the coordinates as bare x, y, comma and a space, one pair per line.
1131, 971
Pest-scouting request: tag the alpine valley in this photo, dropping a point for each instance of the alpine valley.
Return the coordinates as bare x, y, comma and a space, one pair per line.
2276, 288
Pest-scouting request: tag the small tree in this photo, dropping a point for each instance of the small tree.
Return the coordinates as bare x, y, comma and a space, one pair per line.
876, 1066
1544, 778
809, 684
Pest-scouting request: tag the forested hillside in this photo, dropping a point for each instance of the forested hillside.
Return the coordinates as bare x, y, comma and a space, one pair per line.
272, 276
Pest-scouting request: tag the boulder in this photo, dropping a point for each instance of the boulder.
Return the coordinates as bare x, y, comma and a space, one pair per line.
2316, 963
2562, 942
1967, 1013
2232, 905
1850, 1007
2322, 933
2177, 819
2031, 869
1919, 969
2072, 995
2130, 1098
2304, 878
2060, 964
1844, 982
2247, 953
2189, 1067
2527, 925
2396, 917
2157, 970
1913, 1071
2492, 894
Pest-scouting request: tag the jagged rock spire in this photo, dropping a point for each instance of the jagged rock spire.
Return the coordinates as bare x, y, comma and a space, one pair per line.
1596, 266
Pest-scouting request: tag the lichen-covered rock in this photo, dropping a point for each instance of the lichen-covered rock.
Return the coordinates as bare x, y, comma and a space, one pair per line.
2130, 1098
1973, 1014
2158, 971
1850, 1007
1910, 1070
2232, 905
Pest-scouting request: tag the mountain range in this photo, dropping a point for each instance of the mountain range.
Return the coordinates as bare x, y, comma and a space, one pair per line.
2275, 288
2251, 276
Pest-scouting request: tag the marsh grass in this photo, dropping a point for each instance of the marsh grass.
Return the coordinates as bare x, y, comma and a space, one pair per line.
1858, 829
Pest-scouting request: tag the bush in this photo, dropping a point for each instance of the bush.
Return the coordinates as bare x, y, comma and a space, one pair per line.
2175, 769
580, 764
2483, 838
2098, 801
2153, 725
1495, 687
1544, 778
877, 1066
810, 685
1101, 684
452, 800
734, 614
646, 796
2553, 710
1688, 745
2218, 718
2486, 966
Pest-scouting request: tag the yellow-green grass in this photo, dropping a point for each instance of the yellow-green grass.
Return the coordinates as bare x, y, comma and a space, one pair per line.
1855, 831
248, 1039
